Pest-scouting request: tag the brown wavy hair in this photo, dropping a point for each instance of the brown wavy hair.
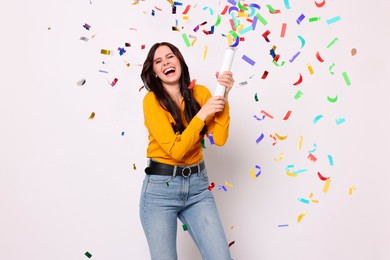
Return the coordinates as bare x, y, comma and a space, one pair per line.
154, 84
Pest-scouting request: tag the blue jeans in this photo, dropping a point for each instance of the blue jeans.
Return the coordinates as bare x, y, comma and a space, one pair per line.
166, 198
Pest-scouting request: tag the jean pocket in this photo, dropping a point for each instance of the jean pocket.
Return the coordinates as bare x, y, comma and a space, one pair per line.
203, 175
159, 178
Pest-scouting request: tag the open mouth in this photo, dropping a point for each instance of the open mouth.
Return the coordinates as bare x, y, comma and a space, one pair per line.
169, 71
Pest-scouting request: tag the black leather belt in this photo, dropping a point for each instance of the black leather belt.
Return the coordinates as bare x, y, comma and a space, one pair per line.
167, 169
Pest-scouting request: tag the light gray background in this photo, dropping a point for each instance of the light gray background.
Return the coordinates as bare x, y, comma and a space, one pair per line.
67, 183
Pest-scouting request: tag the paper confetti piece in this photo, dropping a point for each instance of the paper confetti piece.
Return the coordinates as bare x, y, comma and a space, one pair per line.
300, 18
332, 42
265, 74
84, 39
265, 35
231, 243
259, 118
314, 19
261, 19
333, 20
205, 49
299, 81
81, 82
88, 254
134, 167
351, 189
123, 133
222, 187
353, 52
186, 41
287, 4
283, 225
87, 26
300, 217
211, 186
317, 118
228, 184
192, 84
321, 4
330, 158
333, 100
281, 156
259, 172
303, 200
314, 149
311, 157
303, 42
326, 186
346, 78
211, 138
283, 31
186, 9
252, 173
281, 137
310, 69
113, 83
256, 98
185, 228
287, 116
294, 57
331, 67
92, 115
258, 140
322, 178
105, 52
274, 138
300, 143
249, 60
319, 57
298, 95
340, 120
266, 114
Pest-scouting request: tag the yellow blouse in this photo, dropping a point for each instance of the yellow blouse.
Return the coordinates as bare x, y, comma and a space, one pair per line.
182, 149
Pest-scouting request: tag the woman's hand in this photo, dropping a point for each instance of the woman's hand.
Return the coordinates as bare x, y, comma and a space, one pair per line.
226, 80
214, 105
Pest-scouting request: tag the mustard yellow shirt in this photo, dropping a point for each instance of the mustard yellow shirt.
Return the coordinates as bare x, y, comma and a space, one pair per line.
185, 149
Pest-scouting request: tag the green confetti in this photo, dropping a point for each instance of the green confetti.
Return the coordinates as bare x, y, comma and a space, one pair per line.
298, 95
256, 98
87, 254
271, 9
202, 143
261, 19
332, 42
186, 41
185, 228
314, 19
346, 78
333, 100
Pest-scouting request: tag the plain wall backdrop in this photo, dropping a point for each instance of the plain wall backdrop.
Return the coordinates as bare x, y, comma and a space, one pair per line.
70, 184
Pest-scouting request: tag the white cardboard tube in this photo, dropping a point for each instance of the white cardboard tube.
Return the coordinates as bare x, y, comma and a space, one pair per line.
226, 66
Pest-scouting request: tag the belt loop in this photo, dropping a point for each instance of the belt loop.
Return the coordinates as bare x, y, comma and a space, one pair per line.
174, 171
199, 167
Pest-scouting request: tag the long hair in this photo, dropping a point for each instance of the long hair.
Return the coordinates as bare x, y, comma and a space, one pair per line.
154, 84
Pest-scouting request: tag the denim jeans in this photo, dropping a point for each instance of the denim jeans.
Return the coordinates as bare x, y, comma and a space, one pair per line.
166, 198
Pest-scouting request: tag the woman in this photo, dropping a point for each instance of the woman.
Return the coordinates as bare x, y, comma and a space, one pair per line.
176, 184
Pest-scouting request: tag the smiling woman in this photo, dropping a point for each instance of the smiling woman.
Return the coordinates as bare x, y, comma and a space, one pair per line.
176, 183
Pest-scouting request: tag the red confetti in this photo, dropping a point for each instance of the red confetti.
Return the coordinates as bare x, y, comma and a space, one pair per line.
211, 186
265, 74
299, 81
114, 82
192, 84
322, 178
287, 115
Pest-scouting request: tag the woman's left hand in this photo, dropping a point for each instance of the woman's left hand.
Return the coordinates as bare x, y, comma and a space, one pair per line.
226, 80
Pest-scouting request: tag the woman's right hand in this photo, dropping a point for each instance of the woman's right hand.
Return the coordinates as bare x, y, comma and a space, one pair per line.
214, 105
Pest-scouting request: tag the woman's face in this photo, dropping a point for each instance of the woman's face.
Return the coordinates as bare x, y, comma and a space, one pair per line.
166, 66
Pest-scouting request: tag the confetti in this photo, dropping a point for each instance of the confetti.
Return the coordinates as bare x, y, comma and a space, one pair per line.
222, 187
192, 84
314, 149
303, 42
228, 184
311, 157
300, 143
281, 156
84, 39
287, 116
340, 120
306, 201
283, 31
283, 225
320, 4
123, 133
88, 254
294, 57
314, 19
231, 243
317, 118
81, 82
351, 189
333, 100
333, 20
287, 4
261, 19
134, 167
346, 78
92, 115
87, 26
105, 52
265, 35
319, 57
281, 137
298, 95
113, 83
258, 140
322, 178
300, 18
211, 138
185, 228
266, 114
353, 52
310, 69
249, 60
211, 186
300, 217
186, 41
204, 52
265, 74
332, 42
274, 138
256, 98
299, 81
330, 158
326, 186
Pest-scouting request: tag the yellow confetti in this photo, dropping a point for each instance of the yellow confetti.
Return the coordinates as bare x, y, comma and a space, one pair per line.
300, 142
205, 52
301, 216
326, 186
92, 115
134, 167
280, 157
105, 52
351, 189
185, 17
230, 39
291, 174
310, 69
281, 137
228, 184
252, 173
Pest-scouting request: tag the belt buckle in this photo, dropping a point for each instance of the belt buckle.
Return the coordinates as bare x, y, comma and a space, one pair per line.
183, 172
